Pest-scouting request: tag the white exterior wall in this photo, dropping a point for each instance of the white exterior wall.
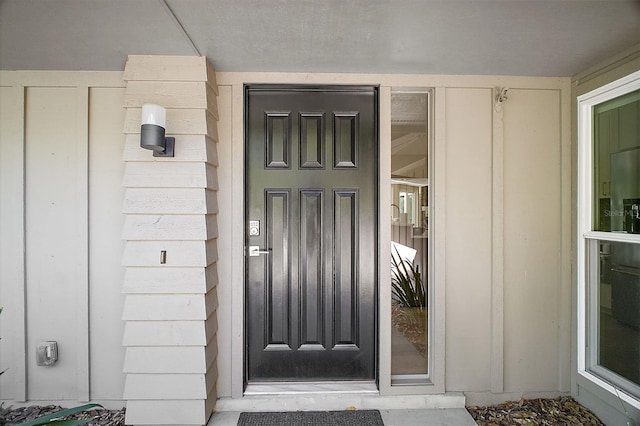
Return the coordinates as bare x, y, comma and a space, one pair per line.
502, 179
502, 230
468, 237
507, 241
60, 250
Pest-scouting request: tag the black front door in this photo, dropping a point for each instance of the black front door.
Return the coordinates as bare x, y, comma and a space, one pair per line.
311, 214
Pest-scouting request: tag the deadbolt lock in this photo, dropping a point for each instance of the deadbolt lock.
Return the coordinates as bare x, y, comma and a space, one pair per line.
254, 228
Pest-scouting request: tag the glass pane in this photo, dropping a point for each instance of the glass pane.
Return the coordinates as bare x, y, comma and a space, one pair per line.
409, 235
618, 309
616, 155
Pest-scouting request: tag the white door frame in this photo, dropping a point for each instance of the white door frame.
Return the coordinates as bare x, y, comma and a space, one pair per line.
237, 81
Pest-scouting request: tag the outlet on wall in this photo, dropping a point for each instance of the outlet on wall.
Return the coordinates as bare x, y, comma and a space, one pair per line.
47, 353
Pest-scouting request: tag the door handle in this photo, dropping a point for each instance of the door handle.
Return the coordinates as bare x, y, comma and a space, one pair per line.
255, 251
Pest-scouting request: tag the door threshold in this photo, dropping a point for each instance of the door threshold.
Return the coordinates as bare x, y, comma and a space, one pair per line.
292, 388
339, 401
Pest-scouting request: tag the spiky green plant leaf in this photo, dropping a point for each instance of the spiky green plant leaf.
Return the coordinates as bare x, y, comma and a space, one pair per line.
407, 285
56, 418
68, 422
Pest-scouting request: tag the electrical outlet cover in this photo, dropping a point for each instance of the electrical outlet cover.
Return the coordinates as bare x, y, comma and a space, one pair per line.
46, 353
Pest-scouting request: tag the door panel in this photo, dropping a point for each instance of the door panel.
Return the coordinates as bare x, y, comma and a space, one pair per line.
311, 181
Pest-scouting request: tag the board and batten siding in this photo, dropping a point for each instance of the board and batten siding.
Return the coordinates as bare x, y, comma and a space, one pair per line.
507, 241
468, 236
501, 180
61, 268
170, 206
502, 223
507, 237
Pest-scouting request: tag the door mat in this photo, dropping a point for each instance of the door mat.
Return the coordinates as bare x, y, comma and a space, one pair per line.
312, 418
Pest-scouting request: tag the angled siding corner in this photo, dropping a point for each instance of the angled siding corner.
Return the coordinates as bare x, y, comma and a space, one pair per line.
170, 205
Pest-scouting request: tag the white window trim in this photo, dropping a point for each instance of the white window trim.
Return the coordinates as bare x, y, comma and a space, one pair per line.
414, 383
586, 103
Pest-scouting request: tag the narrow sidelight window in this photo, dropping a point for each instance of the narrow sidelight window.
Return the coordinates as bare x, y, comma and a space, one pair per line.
410, 232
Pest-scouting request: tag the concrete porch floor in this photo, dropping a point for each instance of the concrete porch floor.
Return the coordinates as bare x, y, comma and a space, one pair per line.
432, 417
398, 410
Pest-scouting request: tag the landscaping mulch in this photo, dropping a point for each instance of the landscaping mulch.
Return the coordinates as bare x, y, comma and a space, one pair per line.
412, 323
543, 411
102, 417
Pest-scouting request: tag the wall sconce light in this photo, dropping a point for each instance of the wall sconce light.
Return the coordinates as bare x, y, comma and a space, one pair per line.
152, 131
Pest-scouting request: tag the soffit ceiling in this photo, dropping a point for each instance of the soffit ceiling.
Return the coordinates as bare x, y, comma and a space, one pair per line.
503, 37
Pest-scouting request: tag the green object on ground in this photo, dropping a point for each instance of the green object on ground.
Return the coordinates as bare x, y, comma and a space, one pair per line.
56, 418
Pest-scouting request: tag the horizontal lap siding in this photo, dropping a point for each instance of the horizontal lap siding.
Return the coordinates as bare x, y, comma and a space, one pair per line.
170, 280
179, 359
169, 201
164, 411
170, 175
169, 307
178, 253
179, 122
170, 68
170, 227
169, 333
162, 385
170, 207
179, 94
192, 148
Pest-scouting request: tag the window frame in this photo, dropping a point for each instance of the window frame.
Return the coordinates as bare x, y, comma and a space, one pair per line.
587, 245
416, 383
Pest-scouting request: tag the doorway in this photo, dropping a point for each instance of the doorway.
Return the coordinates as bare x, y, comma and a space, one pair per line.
311, 197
